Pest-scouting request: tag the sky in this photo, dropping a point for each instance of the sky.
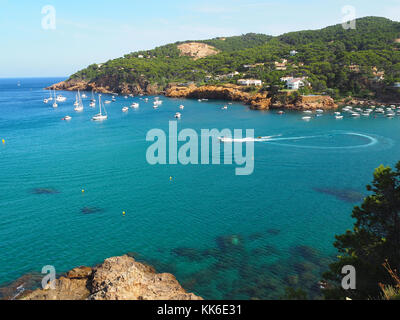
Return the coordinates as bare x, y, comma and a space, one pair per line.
88, 31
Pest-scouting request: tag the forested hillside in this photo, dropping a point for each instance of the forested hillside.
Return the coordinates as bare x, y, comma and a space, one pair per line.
364, 62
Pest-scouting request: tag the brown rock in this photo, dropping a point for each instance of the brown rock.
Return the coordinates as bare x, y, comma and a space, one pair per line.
197, 50
80, 273
315, 102
223, 92
117, 278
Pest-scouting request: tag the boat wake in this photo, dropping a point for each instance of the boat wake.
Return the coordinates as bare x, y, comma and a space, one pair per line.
258, 139
368, 140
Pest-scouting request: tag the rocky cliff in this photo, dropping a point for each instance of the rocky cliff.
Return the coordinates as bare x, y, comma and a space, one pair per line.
228, 92
314, 102
117, 278
106, 85
257, 101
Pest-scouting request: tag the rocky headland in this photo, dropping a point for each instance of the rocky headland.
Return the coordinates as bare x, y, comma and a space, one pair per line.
117, 278
257, 100
106, 86
230, 92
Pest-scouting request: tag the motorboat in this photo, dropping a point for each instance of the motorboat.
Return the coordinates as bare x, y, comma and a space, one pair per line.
178, 115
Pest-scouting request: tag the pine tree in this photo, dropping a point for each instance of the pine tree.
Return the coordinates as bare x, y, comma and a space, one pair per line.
374, 239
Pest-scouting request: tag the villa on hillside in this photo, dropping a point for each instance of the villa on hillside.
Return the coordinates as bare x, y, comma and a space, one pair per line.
249, 82
293, 53
294, 83
281, 65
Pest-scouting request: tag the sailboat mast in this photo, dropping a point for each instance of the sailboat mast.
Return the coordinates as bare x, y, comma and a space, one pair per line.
100, 103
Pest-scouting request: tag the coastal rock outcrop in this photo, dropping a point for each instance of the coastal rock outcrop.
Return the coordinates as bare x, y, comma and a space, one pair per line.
315, 102
258, 101
117, 278
107, 86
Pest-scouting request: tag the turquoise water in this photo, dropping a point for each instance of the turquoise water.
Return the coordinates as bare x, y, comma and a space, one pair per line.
222, 235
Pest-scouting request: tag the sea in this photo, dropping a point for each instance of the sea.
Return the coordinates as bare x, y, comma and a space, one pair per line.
77, 192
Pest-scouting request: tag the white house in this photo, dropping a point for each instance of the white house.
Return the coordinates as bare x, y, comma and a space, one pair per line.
294, 83
249, 82
293, 53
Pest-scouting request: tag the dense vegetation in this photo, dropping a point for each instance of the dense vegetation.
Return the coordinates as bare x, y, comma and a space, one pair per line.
373, 246
324, 56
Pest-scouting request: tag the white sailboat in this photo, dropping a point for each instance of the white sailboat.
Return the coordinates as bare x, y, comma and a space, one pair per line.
55, 105
92, 101
76, 103
79, 106
100, 116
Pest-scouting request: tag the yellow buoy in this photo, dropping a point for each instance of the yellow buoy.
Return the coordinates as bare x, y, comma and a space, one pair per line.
170, 178
83, 190
4, 141
123, 212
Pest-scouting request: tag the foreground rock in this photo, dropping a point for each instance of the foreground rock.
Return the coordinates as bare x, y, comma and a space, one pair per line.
117, 278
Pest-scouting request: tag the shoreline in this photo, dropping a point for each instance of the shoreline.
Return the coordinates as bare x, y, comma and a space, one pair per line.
227, 92
116, 278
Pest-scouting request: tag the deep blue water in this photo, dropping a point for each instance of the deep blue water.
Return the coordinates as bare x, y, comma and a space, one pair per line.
222, 235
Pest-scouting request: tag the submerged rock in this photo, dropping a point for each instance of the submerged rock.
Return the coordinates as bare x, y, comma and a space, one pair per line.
91, 210
189, 253
44, 191
306, 252
273, 232
27, 282
347, 195
117, 278
229, 243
